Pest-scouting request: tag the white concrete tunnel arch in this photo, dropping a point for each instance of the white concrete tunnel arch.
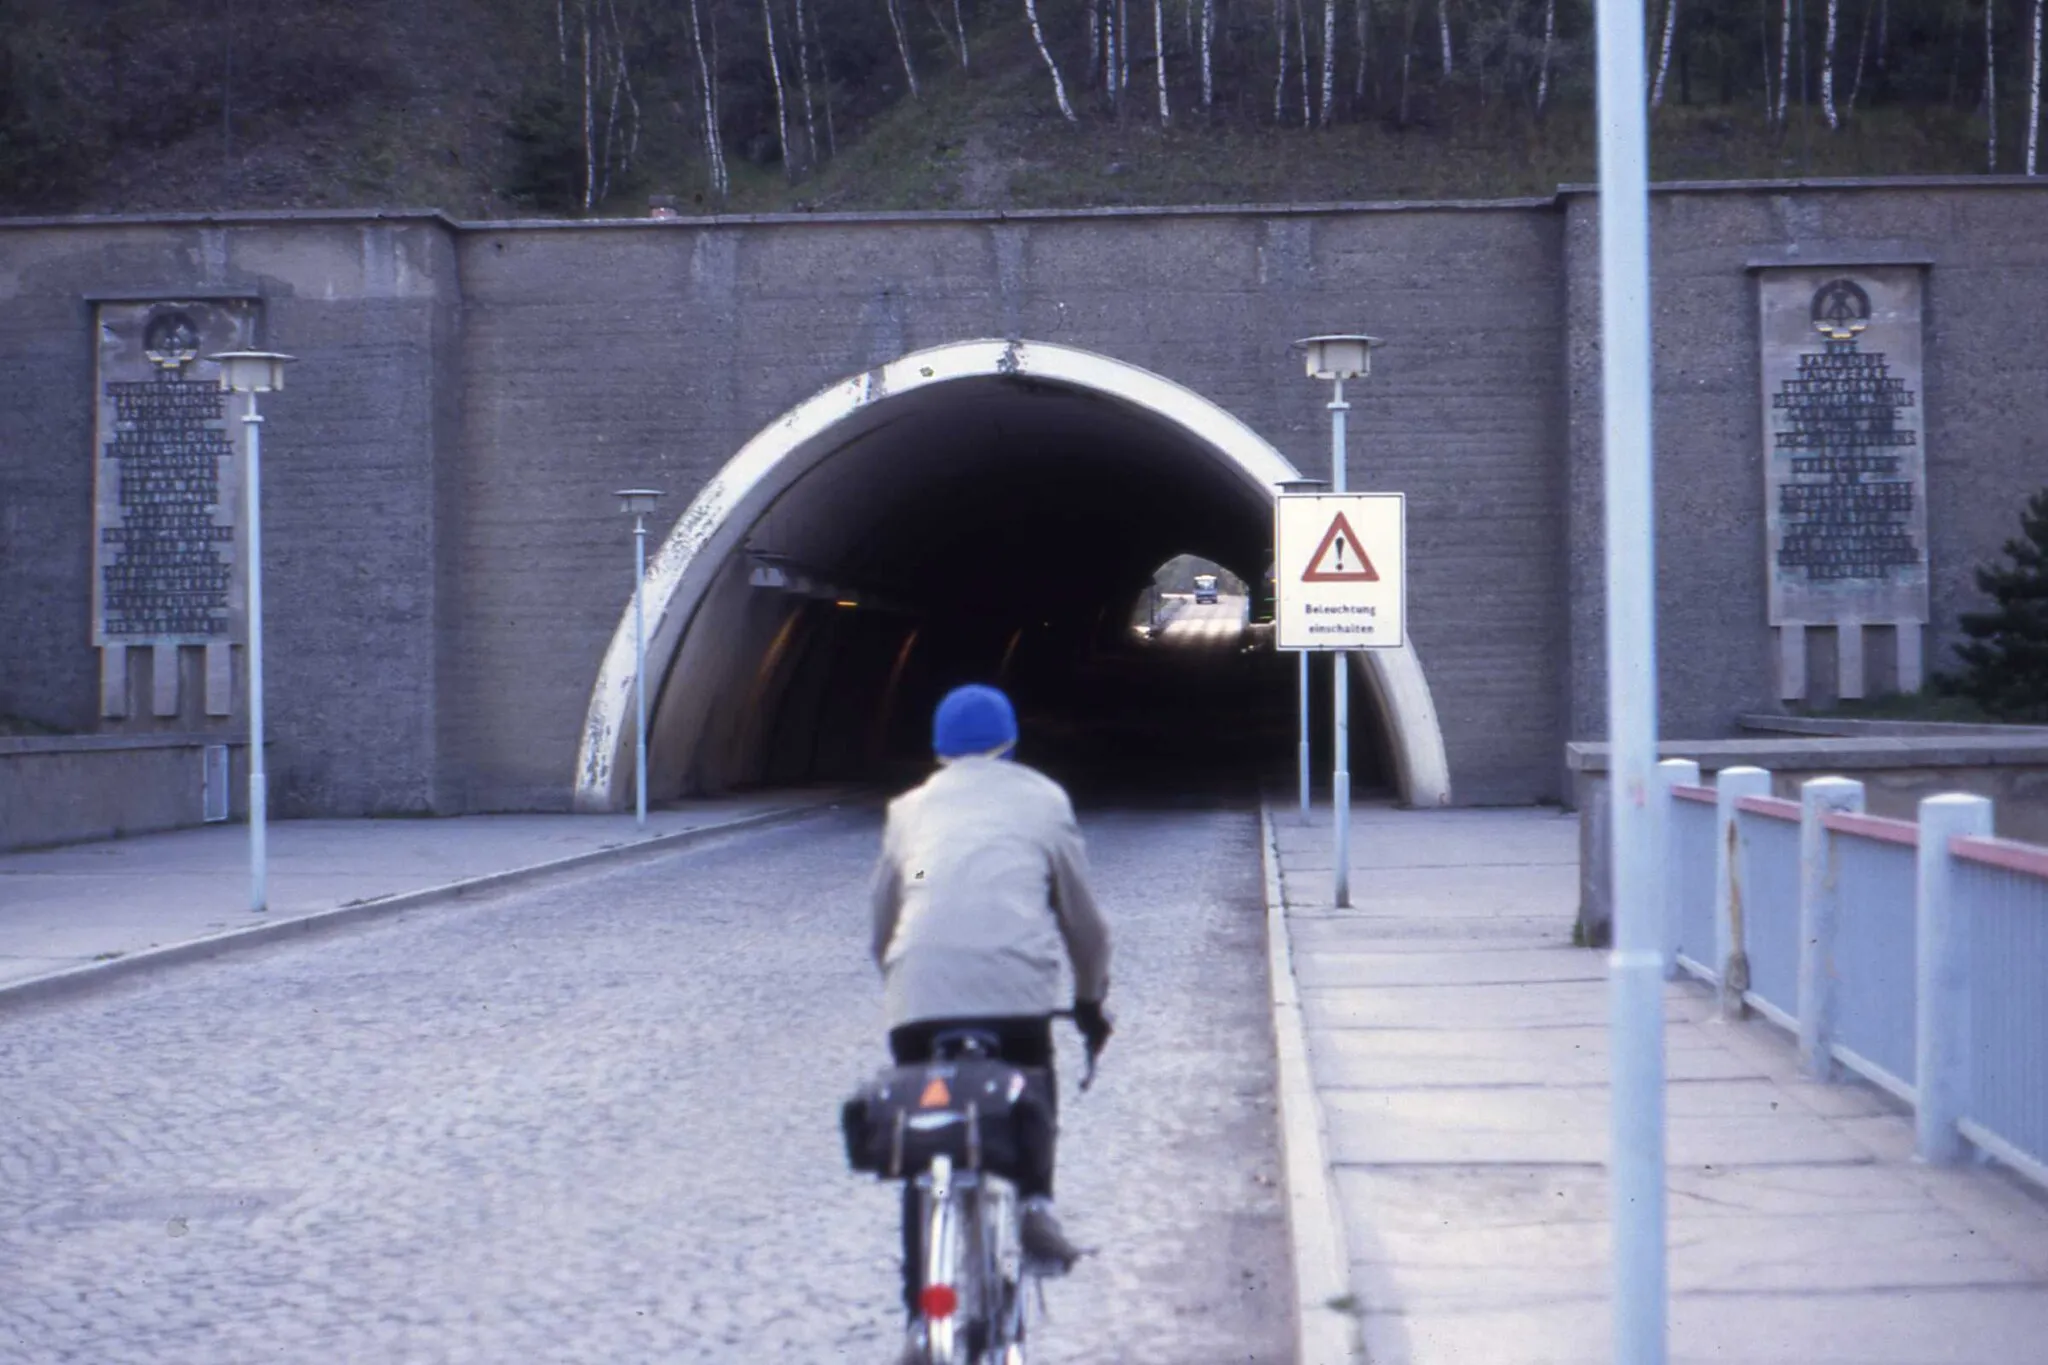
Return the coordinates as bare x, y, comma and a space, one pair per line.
715, 525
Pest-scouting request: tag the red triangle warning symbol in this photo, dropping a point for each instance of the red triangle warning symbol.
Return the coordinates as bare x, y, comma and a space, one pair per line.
1340, 558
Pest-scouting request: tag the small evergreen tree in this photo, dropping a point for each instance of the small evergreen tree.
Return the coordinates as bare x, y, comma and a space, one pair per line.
2006, 657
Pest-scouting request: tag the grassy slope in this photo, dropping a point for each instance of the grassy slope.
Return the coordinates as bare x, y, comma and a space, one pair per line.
431, 135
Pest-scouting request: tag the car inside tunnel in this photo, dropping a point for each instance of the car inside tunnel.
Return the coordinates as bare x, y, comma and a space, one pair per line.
995, 529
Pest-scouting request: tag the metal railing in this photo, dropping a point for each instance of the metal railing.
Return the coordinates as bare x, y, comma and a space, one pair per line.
1913, 953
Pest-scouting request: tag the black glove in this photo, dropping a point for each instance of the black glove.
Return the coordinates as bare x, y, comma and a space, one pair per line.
1093, 1023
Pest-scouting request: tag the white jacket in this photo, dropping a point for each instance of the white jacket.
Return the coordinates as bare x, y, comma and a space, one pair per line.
983, 877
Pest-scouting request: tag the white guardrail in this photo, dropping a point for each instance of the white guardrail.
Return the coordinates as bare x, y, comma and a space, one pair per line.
1913, 953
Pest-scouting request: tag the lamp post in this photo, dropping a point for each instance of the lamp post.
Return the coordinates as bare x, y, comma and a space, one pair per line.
1303, 486
1338, 358
254, 372
637, 503
1635, 967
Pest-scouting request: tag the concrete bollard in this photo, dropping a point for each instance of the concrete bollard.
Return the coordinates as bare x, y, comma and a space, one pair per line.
1820, 913
1672, 772
1730, 952
1941, 1058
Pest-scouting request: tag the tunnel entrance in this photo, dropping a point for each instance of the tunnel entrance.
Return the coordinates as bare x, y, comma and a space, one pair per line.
989, 511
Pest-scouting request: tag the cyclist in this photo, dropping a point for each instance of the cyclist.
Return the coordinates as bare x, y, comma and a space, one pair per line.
982, 878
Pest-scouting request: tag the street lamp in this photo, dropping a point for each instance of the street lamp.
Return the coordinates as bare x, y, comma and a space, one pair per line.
254, 372
637, 503
1303, 486
1338, 358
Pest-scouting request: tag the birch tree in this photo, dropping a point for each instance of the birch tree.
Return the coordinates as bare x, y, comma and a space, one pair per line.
1059, 87
960, 31
1990, 87
1208, 45
1301, 36
1664, 54
1827, 67
1784, 63
1862, 58
903, 44
2034, 93
1543, 67
1159, 57
1443, 25
1280, 85
1407, 60
781, 95
707, 81
1329, 60
803, 80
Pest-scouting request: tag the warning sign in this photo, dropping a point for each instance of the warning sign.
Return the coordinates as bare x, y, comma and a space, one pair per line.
1326, 565
1339, 580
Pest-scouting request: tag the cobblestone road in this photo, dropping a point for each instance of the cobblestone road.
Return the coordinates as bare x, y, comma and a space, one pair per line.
597, 1122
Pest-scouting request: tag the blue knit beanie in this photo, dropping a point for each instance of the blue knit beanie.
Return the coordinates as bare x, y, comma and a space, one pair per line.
974, 720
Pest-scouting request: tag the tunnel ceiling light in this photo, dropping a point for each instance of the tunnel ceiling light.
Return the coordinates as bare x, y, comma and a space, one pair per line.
1338, 356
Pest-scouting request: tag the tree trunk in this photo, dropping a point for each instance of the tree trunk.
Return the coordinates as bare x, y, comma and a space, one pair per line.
902, 45
1363, 9
1862, 58
803, 82
589, 119
714, 146
1549, 41
1990, 87
1784, 63
960, 31
1827, 67
2034, 94
1159, 57
1123, 45
1329, 59
1301, 35
1094, 40
1664, 54
1059, 87
781, 95
1280, 85
1112, 40
1443, 25
1764, 28
1208, 47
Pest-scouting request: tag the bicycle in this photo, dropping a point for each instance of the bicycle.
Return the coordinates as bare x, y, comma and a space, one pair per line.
974, 1273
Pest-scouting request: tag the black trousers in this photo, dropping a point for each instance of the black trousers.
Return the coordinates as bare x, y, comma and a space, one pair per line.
1024, 1040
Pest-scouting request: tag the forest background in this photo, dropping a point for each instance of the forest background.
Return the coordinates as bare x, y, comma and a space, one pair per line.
506, 108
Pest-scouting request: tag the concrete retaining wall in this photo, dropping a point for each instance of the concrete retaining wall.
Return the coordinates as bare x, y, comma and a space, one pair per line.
68, 789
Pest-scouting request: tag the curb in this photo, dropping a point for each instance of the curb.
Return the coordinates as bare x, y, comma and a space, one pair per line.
1325, 1326
93, 975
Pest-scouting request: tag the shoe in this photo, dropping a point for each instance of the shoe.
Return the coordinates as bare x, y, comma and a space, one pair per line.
1043, 1238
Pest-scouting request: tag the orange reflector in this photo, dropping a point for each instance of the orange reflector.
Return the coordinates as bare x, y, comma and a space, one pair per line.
938, 1301
935, 1094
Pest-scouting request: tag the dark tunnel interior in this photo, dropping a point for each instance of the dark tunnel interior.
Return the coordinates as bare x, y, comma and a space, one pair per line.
996, 530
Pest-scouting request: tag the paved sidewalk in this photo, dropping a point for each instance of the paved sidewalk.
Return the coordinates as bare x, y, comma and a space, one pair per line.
1458, 1045
84, 907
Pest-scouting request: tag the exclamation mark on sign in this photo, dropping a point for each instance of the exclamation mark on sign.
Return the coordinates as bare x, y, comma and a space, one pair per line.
1340, 554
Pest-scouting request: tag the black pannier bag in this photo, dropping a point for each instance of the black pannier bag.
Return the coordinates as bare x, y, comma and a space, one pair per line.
985, 1115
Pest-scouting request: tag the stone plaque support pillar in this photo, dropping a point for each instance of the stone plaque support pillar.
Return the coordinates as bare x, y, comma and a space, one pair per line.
220, 679
1911, 667
1792, 661
113, 679
1849, 679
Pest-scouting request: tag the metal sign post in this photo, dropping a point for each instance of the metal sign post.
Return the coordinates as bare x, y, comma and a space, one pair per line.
1636, 965
1340, 584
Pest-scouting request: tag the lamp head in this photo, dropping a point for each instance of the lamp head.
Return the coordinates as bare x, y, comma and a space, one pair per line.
1338, 357
637, 502
252, 371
